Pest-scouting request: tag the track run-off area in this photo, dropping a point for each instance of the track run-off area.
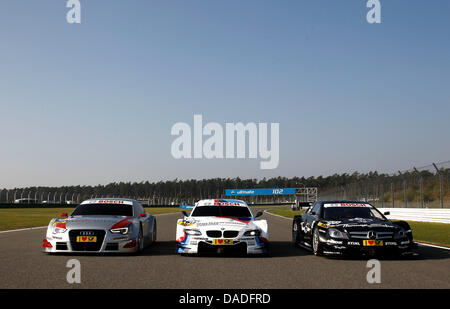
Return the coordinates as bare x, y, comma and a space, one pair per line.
23, 265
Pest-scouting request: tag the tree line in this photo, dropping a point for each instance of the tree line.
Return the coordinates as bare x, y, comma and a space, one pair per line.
215, 187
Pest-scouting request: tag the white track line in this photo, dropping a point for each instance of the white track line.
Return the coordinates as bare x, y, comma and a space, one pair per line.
433, 246
41, 227
420, 243
265, 211
170, 213
25, 229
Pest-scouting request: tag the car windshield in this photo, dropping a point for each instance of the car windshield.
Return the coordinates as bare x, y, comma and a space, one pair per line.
103, 210
221, 211
339, 213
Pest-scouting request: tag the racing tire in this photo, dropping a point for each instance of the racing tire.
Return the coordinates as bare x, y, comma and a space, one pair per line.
154, 234
316, 245
295, 233
140, 242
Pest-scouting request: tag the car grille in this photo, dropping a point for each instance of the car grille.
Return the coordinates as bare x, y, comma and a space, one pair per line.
225, 234
86, 246
112, 246
230, 234
214, 233
204, 248
365, 235
61, 246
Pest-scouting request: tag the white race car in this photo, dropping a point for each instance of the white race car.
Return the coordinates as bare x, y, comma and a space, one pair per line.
220, 226
108, 225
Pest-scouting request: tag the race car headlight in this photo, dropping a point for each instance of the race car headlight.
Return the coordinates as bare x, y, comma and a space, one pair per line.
337, 234
193, 232
122, 230
58, 230
252, 233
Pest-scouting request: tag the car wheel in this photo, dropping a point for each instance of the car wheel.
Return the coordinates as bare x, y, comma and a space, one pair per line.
295, 236
139, 242
155, 229
317, 247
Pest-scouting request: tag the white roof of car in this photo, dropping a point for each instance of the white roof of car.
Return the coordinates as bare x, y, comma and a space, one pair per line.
119, 201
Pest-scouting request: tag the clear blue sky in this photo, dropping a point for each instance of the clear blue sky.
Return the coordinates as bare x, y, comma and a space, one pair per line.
94, 103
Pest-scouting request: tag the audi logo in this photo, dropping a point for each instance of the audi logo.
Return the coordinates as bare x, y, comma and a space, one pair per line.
86, 233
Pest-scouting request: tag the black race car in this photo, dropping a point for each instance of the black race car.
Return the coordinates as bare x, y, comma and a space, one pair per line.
346, 227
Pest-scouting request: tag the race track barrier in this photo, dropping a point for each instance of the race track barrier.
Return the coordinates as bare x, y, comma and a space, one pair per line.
418, 214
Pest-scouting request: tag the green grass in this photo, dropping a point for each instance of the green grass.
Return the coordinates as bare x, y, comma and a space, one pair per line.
164, 210
11, 219
18, 218
427, 232
286, 212
433, 233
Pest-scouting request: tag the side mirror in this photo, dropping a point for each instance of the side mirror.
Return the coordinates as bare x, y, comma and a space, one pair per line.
63, 215
387, 213
185, 213
143, 215
259, 214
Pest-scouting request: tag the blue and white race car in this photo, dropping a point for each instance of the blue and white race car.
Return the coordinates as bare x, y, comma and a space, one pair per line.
220, 226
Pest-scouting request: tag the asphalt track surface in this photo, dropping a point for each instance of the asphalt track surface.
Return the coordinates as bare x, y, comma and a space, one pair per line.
23, 265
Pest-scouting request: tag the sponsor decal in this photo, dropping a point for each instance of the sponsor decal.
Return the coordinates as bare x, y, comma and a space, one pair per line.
367, 225
227, 203
332, 252
360, 220
353, 243
185, 223
220, 223
324, 225
333, 222
115, 202
372, 243
332, 241
121, 237
222, 241
347, 205
86, 238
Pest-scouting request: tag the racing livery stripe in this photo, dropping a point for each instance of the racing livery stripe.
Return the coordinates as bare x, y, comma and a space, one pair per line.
121, 223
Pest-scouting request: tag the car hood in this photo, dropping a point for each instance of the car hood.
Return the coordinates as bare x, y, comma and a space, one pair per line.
90, 222
234, 223
362, 224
